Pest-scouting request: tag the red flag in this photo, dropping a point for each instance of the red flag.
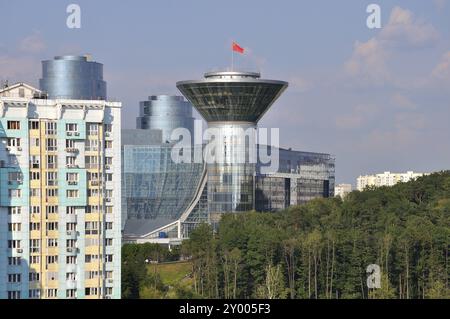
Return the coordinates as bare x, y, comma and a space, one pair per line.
238, 48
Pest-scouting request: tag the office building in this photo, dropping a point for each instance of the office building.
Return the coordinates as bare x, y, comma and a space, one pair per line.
385, 179
60, 196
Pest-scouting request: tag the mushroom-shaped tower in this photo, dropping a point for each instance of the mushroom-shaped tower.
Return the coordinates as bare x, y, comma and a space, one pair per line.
232, 103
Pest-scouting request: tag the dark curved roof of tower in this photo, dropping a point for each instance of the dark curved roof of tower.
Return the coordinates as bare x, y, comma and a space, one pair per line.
232, 99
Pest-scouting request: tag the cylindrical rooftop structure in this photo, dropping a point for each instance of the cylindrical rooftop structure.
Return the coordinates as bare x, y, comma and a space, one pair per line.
73, 77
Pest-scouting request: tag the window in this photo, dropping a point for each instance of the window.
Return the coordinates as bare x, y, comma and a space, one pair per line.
12, 160
108, 144
34, 161
92, 145
15, 193
14, 176
21, 92
91, 161
13, 125
93, 177
108, 225
13, 142
70, 243
70, 161
50, 128
13, 294
52, 179
71, 276
33, 276
108, 128
109, 193
52, 192
13, 244
70, 143
52, 226
72, 193
52, 209
93, 192
34, 293
34, 176
51, 144
35, 192
109, 209
108, 177
91, 291
14, 261
34, 142
51, 293
71, 293
93, 209
35, 259
71, 226
72, 177
14, 210
109, 258
52, 242
108, 241
14, 227
52, 259
35, 210
71, 260
71, 127
91, 228
51, 161
92, 128
33, 125
35, 226
12, 278
70, 210
108, 160
35, 245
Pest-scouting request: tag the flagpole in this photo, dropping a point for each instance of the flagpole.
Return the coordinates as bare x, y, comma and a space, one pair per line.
232, 58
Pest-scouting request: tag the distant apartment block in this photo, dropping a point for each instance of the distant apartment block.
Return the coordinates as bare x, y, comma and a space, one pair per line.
342, 190
60, 196
385, 179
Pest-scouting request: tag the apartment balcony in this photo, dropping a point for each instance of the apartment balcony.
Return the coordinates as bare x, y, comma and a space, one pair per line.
71, 251
72, 150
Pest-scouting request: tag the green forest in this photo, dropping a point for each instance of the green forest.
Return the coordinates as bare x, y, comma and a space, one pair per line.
317, 250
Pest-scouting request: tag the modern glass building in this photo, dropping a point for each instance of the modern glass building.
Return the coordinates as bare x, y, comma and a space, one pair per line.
165, 113
73, 77
232, 103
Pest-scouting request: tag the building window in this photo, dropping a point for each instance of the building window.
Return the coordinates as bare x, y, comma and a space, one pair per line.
13, 294
13, 125
35, 226
51, 161
52, 179
14, 176
91, 162
33, 125
50, 128
108, 177
91, 291
34, 176
34, 293
15, 193
72, 193
14, 278
71, 260
71, 293
91, 228
52, 209
108, 144
14, 210
51, 144
92, 145
35, 245
34, 161
13, 244
33, 276
70, 161
108, 128
52, 226
35, 259
52, 242
14, 261
14, 227
52, 192
92, 128
71, 127
71, 226
70, 210
51, 293
35, 210
13, 142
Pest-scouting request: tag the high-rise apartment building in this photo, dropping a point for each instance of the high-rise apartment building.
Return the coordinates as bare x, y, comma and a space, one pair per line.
385, 179
60, 196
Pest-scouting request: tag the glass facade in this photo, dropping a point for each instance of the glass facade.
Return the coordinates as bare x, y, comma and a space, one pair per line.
165, 113
73, 77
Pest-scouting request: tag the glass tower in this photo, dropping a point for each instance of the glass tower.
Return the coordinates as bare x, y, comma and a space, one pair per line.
232, 103
73, 77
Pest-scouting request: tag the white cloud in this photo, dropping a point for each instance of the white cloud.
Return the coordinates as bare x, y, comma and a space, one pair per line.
442, 70
403, 31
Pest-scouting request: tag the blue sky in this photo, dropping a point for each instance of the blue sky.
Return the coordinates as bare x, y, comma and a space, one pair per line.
378, 100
